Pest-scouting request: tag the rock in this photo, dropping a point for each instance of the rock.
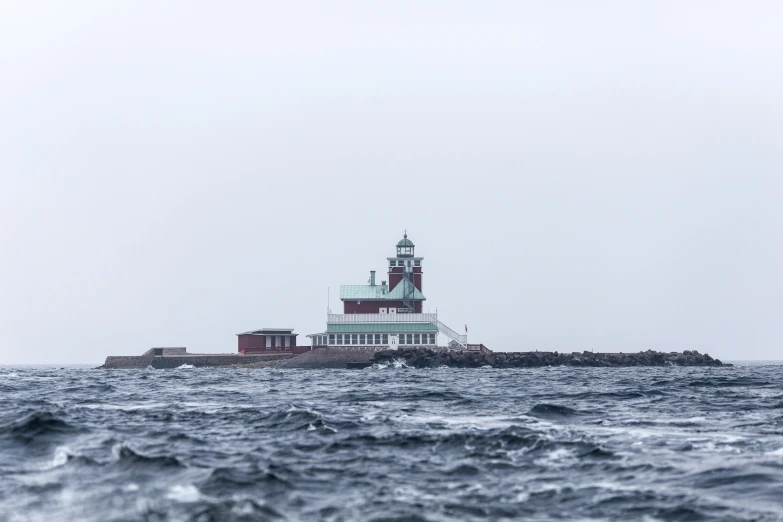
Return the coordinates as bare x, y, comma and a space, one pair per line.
431, 358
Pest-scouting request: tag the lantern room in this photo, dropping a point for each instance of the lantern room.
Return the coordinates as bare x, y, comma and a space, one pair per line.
405, 247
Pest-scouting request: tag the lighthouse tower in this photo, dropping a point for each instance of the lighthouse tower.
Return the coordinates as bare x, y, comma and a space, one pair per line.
405, 270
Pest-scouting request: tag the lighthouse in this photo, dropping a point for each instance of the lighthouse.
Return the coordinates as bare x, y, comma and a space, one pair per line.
390, 314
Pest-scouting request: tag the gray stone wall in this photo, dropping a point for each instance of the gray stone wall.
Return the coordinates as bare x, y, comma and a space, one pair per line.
168, 361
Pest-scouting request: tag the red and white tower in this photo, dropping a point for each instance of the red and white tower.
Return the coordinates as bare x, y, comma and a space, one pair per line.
405, 270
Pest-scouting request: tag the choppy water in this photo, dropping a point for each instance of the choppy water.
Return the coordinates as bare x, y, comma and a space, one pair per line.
392, 444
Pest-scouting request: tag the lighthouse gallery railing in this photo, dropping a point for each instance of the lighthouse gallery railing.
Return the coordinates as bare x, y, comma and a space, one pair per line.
382, 318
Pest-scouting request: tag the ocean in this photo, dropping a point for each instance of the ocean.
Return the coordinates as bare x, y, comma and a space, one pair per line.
385, 444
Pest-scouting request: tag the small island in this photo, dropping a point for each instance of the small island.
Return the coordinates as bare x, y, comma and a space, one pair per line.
384, 323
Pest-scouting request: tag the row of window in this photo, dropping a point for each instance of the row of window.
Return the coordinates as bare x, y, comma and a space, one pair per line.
401, 262
343, 339
369, 339
417, 338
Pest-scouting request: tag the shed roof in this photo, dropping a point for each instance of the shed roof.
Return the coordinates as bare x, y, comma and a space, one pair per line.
270, 331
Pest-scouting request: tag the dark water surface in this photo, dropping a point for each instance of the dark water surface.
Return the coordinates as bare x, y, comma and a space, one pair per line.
392, 444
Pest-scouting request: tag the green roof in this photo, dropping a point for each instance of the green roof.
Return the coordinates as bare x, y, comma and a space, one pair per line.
376, 293
380, 327
363, 292
405, 242
398, 292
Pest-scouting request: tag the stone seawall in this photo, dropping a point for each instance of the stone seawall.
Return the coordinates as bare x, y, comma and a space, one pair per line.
430, 358
127, 361
332, 357
175, 361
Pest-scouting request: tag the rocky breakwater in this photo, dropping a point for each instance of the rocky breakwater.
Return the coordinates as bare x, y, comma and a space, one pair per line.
431, 358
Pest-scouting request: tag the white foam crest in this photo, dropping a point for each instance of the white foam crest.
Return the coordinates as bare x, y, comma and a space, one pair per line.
557, 457
184, 493
61, 456
185, 367
399, 363
395, 363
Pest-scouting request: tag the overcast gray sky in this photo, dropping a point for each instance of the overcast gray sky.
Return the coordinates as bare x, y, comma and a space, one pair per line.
577, 175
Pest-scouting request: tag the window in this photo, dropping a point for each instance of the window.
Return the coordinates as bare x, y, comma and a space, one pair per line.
416, 339
361, 339
409, 264
392, 262
369, 338
331, 338
400, 263
409, 339
377, 338
354, 339
385, 339
339, 338
417, 262
432, 338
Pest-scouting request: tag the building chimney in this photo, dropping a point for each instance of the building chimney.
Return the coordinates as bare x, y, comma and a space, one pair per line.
372, 277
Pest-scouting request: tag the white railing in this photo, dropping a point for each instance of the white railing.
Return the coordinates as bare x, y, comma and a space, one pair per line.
451, 334
382, 318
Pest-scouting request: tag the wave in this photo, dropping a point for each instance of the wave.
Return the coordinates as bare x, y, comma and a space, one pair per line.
729, 382
63, 456
37, 425
91, 388
553, 410
618, 395
729, 477
237, 509
548, 443
126, 457
228, 480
